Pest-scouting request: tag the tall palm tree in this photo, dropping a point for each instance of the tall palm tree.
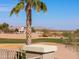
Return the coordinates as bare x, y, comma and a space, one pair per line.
38, 5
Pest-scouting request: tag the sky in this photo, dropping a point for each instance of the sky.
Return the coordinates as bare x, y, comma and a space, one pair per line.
61, 14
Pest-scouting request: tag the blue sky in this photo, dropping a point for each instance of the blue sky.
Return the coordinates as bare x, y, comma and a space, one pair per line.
61, 14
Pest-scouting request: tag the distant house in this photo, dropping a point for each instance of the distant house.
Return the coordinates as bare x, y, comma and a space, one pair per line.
21, 29
12, 27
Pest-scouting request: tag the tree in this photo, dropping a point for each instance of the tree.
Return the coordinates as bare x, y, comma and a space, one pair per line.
75, 40
38, 5
67, 37
33, 30
4, 27
66, 34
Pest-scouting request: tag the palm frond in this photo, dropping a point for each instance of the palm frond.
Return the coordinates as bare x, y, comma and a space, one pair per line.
38, 6
12, 11
17, 8
43, 7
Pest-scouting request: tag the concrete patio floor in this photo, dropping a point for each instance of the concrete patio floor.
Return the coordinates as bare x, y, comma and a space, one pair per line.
62, 53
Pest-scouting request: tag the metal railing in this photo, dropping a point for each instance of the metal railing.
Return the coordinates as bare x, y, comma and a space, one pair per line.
15, 54
8, 53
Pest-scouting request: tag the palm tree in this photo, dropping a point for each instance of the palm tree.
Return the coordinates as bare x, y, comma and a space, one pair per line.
38, 5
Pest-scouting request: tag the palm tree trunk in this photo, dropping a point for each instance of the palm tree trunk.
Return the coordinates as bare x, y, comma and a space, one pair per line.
28, 25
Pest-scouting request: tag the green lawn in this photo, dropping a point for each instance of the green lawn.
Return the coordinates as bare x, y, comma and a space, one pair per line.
34, 40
